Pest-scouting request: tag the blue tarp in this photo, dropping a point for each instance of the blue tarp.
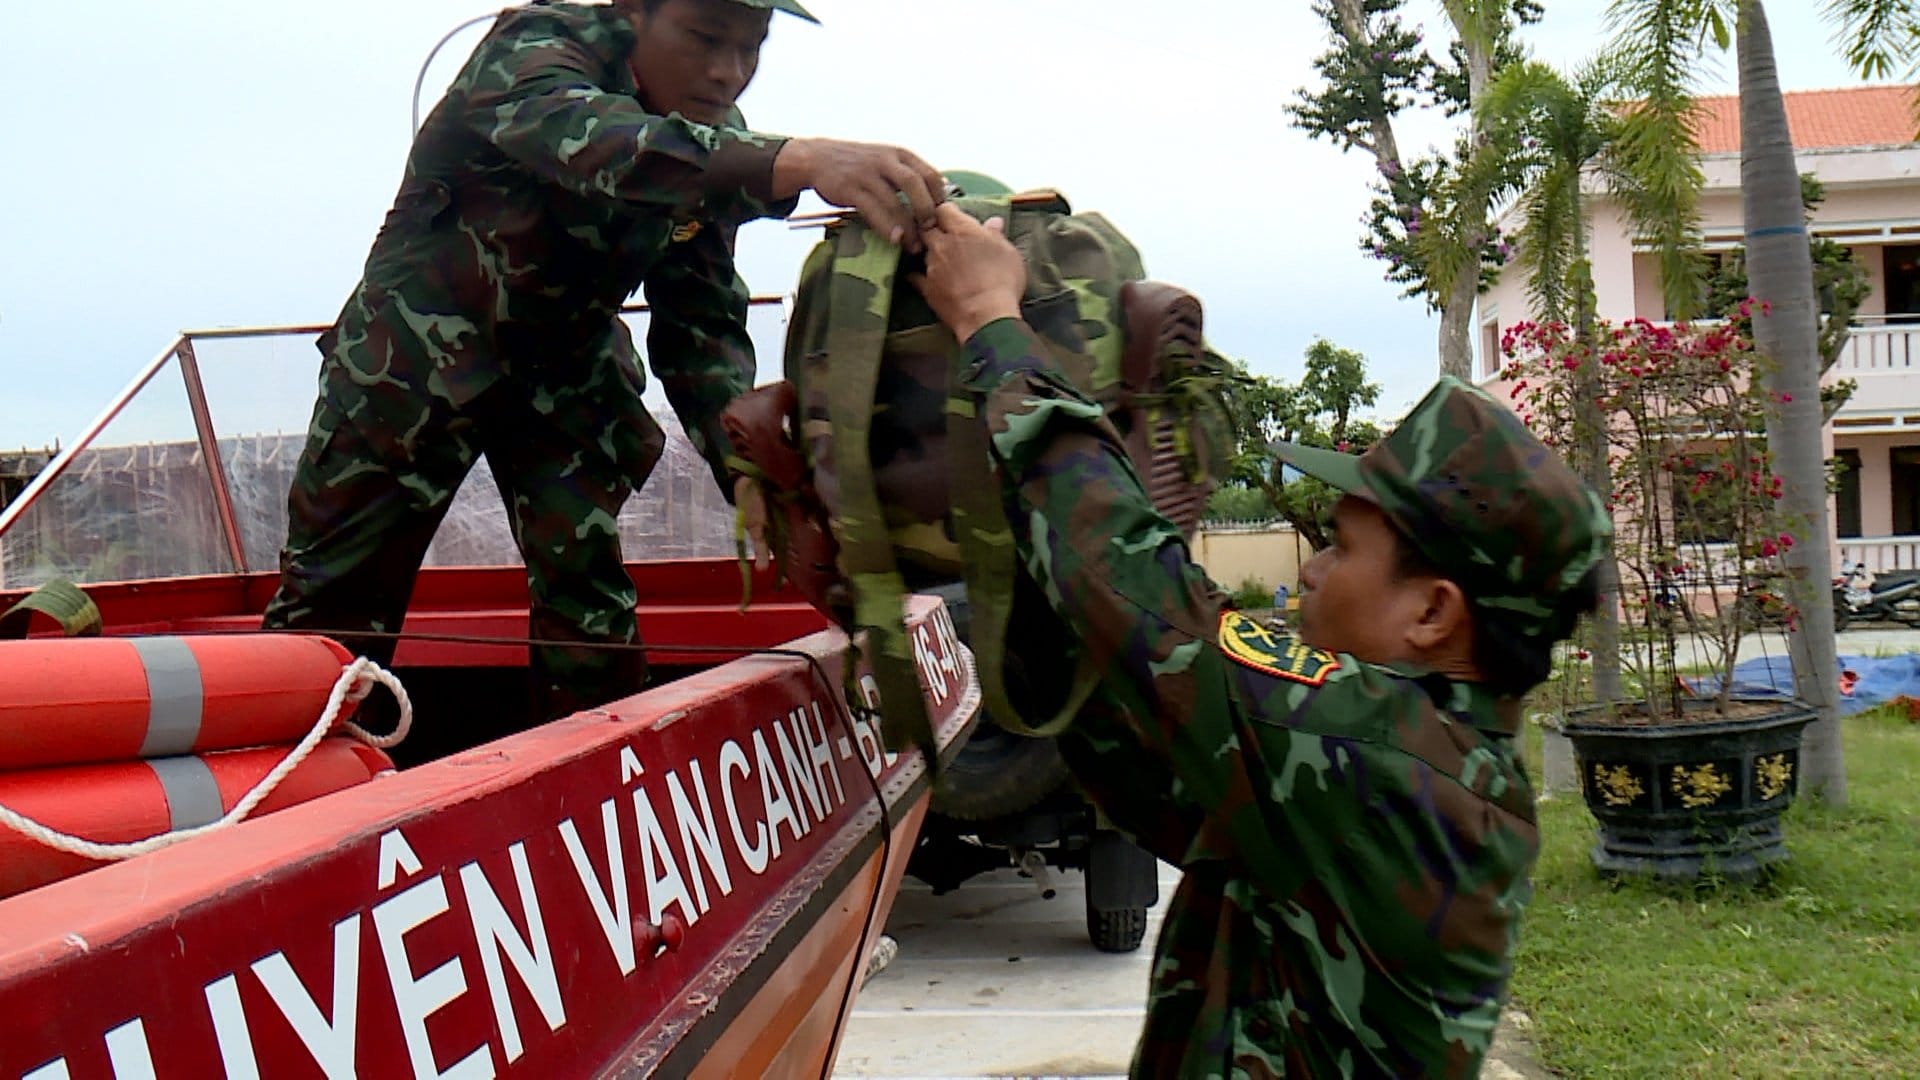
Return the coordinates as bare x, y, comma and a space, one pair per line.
1875, 680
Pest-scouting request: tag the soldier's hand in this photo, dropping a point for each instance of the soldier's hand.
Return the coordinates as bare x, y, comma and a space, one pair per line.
974, 274
751, 504
870, 178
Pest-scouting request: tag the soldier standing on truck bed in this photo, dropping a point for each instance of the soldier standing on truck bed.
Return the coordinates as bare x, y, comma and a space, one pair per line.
1348, 807
584, 151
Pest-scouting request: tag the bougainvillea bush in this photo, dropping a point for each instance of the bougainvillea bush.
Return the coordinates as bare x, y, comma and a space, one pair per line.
1698, 528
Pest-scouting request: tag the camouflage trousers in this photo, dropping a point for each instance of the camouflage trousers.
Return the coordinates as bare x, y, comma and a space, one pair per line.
386, 452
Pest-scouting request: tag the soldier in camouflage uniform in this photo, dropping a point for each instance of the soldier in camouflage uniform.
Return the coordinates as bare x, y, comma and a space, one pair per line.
582, 152
1349, 807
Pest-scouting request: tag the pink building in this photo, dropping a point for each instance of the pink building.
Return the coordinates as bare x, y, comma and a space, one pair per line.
1861, 144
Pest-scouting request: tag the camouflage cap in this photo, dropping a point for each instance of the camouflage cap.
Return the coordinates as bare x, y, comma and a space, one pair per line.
1482, 499
791, 7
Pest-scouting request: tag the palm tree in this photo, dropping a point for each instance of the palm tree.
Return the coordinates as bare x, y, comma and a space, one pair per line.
1878, 36
1787, 330
1571, 129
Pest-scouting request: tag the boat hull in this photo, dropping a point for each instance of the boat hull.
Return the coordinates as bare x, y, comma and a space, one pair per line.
685, 882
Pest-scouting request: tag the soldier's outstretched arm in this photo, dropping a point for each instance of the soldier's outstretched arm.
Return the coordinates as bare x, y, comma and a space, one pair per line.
697, 340
1115, 569
534, 93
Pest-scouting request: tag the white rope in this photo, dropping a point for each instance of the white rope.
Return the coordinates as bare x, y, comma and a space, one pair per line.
355, 683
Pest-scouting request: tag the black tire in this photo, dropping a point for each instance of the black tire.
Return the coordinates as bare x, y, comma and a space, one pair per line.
1118, 931
1842, 615
998, 773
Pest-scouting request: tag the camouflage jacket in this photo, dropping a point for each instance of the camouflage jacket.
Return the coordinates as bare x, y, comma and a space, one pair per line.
538, 196
1356, 840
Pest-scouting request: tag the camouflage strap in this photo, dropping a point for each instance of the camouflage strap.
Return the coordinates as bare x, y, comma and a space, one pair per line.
986, 539
859, 299
991, 560
61, 601
986, 547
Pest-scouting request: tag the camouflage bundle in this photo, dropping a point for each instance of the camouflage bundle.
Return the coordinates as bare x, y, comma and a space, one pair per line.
899, 462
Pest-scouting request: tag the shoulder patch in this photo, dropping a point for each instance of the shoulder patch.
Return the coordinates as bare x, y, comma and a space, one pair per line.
1250, 644
685, 231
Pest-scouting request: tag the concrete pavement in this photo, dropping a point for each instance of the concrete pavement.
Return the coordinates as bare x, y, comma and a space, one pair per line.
993, 980
1864, 640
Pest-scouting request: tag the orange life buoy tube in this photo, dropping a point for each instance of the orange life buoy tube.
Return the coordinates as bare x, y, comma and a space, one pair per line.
132, 800
68, 701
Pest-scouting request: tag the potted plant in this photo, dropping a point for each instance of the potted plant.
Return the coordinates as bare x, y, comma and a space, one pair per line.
1687, 773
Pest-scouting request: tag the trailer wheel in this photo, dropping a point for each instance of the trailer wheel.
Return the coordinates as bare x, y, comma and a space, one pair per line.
998, 773
1118, 931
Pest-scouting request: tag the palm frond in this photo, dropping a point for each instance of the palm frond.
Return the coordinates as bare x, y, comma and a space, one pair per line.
1660, 45
1880, 38
1548, 242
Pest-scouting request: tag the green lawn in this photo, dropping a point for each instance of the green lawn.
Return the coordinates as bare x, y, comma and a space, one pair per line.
1814, 974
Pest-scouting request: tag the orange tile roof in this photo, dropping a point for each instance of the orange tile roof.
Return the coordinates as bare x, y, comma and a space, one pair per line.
1822, 119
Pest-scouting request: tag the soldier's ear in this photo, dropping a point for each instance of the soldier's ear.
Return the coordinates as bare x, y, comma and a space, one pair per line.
1445, 614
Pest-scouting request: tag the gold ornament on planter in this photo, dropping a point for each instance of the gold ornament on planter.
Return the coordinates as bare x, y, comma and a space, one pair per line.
1772, 775
1617, 784
1701, 785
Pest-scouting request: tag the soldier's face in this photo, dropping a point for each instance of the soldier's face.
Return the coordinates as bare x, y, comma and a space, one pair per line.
1356, 600
695, 57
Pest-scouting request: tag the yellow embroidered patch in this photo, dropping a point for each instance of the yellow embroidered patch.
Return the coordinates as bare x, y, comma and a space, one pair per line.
685, 231
1251, 644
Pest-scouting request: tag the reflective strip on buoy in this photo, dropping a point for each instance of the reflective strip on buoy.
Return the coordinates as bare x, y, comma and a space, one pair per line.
193, 796
174, 696
130, 801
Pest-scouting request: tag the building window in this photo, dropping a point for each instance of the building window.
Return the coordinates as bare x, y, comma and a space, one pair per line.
1905, 463
1715, 287
1846, 496
1903, 282
1490, 348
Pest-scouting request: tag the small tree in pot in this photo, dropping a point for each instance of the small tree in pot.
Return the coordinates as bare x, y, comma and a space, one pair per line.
1686, 775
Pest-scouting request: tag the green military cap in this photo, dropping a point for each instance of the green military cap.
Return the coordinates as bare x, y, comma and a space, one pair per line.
791, 7
1484, 501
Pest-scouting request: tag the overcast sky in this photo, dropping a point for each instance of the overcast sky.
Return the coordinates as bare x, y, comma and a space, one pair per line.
203, 163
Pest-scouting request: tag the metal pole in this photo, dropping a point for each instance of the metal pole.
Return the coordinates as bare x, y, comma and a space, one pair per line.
761, 300
16, 509
210, 453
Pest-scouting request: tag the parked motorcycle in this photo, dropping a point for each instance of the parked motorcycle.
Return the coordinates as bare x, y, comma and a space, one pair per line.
1892, 596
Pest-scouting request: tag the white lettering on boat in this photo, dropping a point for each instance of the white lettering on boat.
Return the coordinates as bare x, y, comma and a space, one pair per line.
532, 956
775, 785
659, 869
330, 1042
699, 834
230, 1029
419, 998
616, 920
128, 1051
756, 855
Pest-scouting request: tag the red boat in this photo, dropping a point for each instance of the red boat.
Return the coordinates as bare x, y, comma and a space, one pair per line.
685, 882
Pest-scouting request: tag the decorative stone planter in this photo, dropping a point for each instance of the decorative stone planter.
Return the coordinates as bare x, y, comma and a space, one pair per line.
1679, 801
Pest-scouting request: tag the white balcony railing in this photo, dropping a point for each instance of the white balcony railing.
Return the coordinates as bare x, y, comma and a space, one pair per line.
1880, 349
1881, 553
